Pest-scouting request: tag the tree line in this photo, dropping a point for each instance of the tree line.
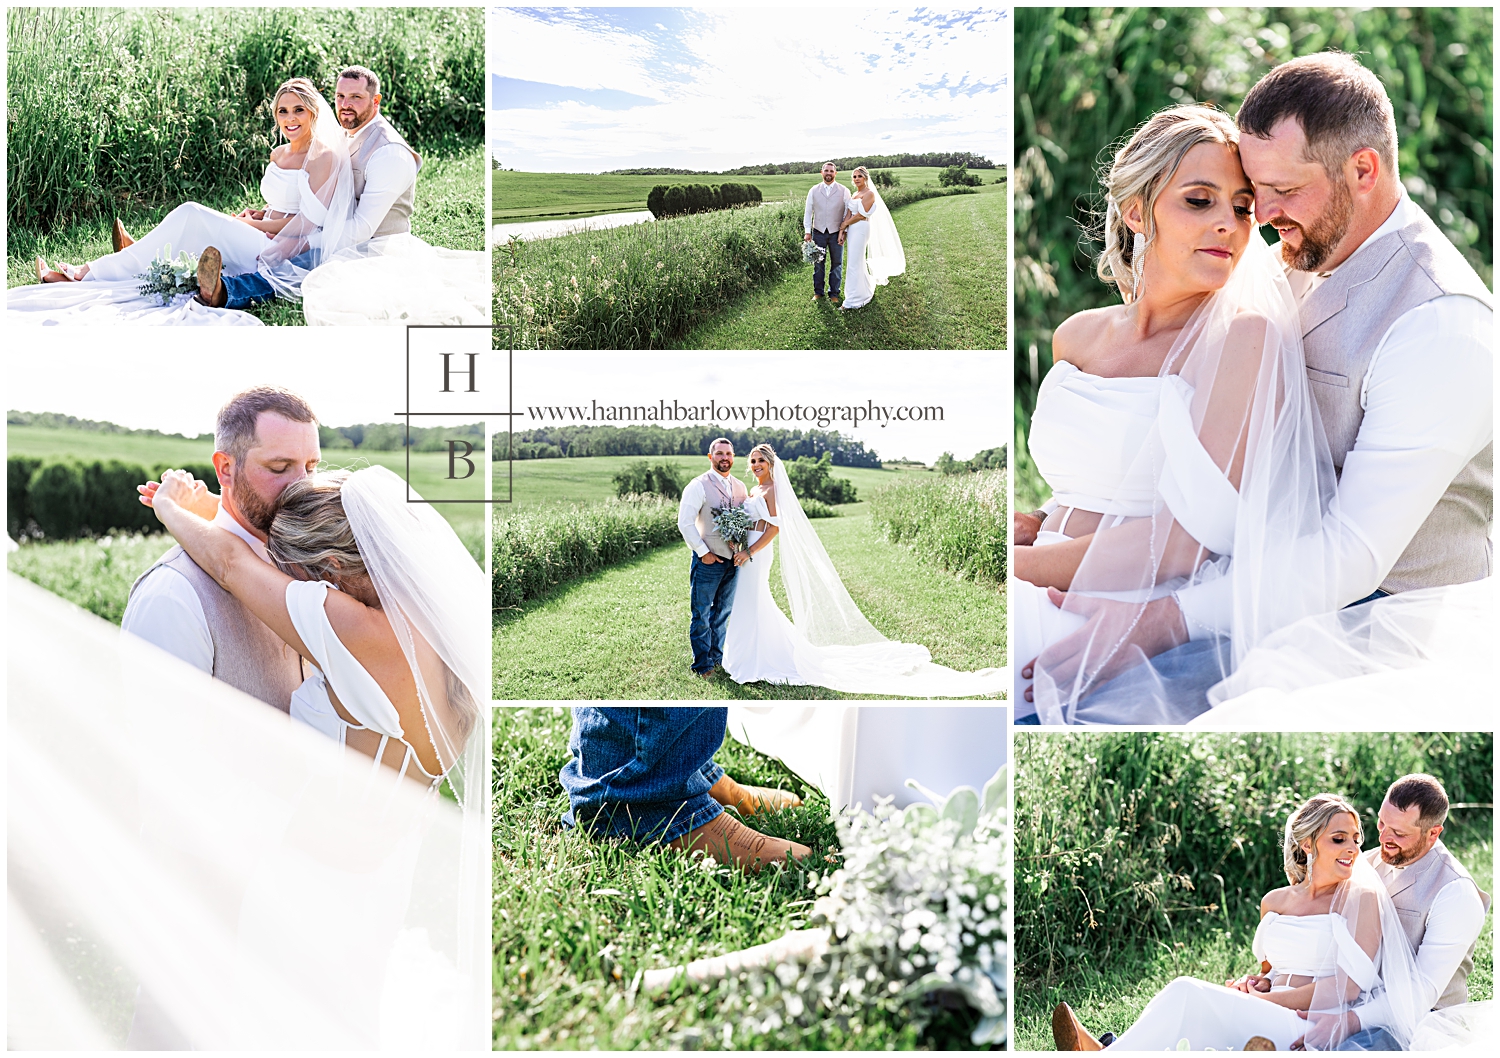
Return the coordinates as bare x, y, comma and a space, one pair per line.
932, 159
573, 442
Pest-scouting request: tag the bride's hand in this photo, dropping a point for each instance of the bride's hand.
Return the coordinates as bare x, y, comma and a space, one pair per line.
198, 500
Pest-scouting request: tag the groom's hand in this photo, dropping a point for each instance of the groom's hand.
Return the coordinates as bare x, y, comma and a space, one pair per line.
1024, 527
709, 558
1115, 636
807, 236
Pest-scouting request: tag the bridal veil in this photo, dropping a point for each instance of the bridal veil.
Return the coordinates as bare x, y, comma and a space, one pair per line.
884, 255
190, 869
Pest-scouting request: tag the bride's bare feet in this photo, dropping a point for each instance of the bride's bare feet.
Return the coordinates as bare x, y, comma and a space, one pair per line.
751, 799
63, 273
726, 839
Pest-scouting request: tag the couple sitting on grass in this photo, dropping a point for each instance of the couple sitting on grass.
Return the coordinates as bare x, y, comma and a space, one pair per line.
334, 232
648, 774
1362, 951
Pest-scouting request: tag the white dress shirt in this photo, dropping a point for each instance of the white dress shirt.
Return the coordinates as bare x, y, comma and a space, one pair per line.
1425, 417
825, 207
165, 609
687, 512
1453, 924
388, 173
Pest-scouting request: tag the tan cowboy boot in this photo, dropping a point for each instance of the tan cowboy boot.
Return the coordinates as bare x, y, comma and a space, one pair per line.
119, 238
1258, 1043
210, 287
751, 799
727, 839
1068, 1033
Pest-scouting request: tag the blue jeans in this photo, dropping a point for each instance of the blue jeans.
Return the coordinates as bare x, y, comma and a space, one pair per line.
643, 772
829, 240
712, 598
251, 289
1376, 1039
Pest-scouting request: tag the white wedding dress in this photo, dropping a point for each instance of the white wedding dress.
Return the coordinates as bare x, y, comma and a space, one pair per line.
110, 293
837, 648
872, 253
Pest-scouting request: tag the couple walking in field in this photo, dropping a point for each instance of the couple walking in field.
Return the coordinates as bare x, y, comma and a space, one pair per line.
857, 224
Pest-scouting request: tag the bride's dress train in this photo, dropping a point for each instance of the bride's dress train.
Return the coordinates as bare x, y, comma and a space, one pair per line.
832, 644
872, 253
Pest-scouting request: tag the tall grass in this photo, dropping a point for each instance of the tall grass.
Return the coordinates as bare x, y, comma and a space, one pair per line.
641, 286
1128, 841
535, 550
958, 523
95, 574
111, 108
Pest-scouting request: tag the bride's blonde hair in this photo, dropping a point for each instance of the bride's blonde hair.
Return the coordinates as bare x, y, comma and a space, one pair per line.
765, 450
310, 536
304, 90
1307, 823
1139, 171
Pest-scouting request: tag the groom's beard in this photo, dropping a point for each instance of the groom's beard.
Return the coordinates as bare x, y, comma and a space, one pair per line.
1322, 236
253, 507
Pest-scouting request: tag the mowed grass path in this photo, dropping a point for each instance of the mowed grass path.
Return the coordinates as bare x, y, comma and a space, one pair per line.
543, 196
623, 632
952, 295
1109, 999
575, 919
449, 212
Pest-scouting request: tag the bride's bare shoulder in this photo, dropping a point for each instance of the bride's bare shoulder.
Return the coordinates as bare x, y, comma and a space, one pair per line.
1276, 900
1078, 338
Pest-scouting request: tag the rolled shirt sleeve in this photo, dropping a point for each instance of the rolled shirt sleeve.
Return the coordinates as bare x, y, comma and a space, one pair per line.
388, 173
1453, 924
166, 611
687, 517
1429, 409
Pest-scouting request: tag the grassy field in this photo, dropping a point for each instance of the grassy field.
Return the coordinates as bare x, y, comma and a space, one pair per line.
449, 212
575, 919
546, 196
1143, 857
952, 295
622, 632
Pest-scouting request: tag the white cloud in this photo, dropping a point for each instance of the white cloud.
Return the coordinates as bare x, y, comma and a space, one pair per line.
742, 87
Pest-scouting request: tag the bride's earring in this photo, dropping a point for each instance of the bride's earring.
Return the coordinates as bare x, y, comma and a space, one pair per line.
1138, 266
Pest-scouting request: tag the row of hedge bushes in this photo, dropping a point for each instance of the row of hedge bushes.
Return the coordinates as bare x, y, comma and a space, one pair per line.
957, 523
556, 442
671, 200
536, 550
63, 499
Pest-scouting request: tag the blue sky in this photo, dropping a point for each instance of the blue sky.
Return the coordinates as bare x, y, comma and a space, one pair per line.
591, 89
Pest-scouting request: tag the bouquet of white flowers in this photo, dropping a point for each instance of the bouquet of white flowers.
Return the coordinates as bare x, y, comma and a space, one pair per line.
165, 278
812, 253
734, 525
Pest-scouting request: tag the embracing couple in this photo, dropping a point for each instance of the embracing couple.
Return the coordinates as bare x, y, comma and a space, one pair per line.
1249, 442
834, 221
827, 642
325, 594
334, 232
1360, 951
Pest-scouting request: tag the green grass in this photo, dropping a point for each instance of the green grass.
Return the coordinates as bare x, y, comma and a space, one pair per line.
622, 632
93, 574
952, 295
575, 919
547, 196
449, 212
1110, 998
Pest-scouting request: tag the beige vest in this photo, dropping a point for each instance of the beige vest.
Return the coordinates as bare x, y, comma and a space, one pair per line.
1413, 889
376, 135
714, 496
1343, 322
247, 654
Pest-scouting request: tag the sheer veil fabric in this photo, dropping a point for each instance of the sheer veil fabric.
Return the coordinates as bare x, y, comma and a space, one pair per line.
190, 869
834, 644
1375, 981
884, 255
1236, 397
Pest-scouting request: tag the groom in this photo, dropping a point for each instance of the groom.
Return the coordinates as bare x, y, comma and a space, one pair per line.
822, 225
264, 439
713, 567
384, 168
1398, 331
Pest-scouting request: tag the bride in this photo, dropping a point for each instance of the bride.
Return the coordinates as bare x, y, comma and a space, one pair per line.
828, 643
1340, 962
874, 252
1176, 431
368, 589
309, 194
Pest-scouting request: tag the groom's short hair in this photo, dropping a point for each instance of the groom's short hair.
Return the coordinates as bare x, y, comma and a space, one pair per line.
365, 74
1341, 106
234, 430
1424, 791
721, 441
